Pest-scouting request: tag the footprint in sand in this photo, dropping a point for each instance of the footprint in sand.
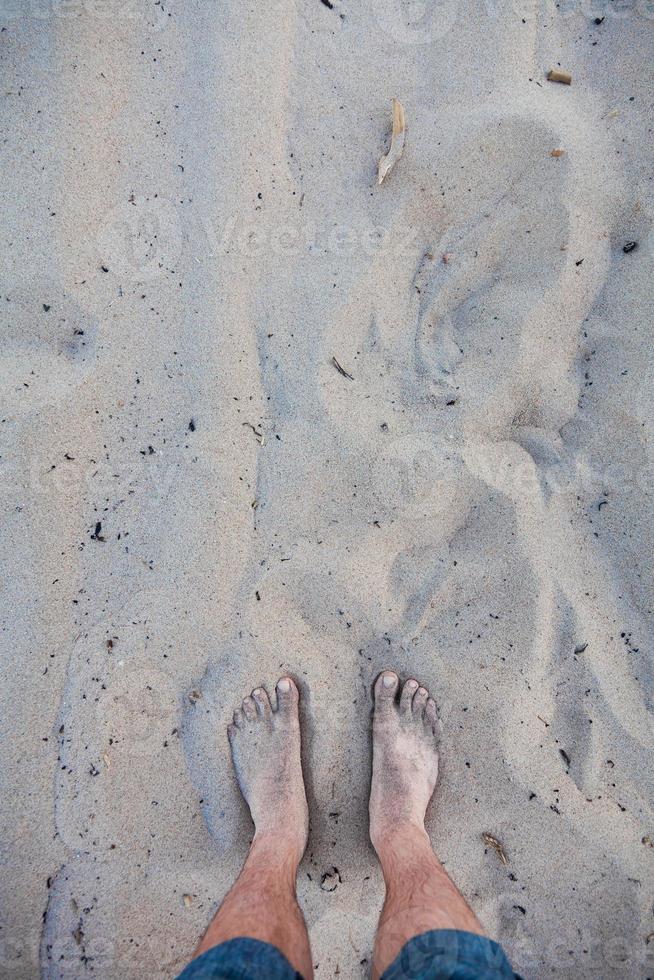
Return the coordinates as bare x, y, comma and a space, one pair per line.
49, 345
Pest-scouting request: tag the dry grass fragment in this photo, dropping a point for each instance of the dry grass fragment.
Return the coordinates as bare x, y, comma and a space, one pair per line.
389, 160
341, 369
497, 846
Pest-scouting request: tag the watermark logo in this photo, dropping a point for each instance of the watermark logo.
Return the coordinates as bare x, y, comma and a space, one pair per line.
415, 21
146, 14
414, 472
141, 238
140, 711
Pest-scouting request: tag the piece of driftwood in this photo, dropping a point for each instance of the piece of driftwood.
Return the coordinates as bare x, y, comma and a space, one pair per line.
556, 75
389, 160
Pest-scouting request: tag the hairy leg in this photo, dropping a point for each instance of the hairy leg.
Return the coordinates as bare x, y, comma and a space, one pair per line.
420, 896
262, 904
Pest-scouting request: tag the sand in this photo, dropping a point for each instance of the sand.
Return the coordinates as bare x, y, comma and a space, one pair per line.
195, 500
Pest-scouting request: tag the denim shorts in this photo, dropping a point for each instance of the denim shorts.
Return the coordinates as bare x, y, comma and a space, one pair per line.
441, 954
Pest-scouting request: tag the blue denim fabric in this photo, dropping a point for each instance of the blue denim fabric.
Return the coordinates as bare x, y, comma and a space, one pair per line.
442, 954
449, 954
240, 959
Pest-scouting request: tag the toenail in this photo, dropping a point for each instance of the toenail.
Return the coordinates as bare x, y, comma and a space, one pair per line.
284, 685
389, 680
421, 691
257, 692
412, 683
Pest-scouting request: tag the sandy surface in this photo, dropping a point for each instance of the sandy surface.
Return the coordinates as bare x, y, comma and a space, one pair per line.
195, 500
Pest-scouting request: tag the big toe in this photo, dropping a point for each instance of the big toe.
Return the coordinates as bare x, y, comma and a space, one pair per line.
386, 687
288, 697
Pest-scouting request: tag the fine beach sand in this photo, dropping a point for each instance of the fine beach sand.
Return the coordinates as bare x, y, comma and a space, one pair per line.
195, 500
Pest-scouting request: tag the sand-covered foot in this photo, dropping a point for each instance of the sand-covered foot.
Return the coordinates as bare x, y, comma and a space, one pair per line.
265, 743
405, 738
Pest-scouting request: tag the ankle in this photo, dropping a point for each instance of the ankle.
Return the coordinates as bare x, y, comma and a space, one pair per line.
278, 848
399, 837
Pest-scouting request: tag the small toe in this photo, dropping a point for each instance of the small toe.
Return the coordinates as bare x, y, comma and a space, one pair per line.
386, 687
238, 718
249, 709
419, 701
431, 713
406, 697
232, 732
262, 701
287, 696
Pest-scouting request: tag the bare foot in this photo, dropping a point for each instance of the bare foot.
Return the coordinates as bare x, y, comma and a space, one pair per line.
404, 755
265, 743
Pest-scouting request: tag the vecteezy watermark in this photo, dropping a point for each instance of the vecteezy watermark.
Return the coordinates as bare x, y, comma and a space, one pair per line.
418, 22
19, 953
149, 14
415, 21
142, 238
245, 237
588, 9
418, 471
154, 476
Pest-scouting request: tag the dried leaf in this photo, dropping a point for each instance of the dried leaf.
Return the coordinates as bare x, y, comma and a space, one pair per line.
388, 161
106, 760
493, 842
557, 153
187, 899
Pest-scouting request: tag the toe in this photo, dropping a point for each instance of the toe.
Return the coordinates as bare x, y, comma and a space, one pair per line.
287, 696
249, 709
262, 701
431, 714
386, 687
419, 702
238, 718
406, 697
232, 732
